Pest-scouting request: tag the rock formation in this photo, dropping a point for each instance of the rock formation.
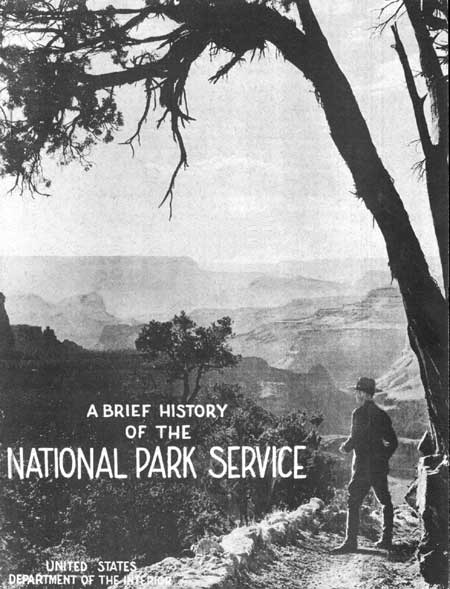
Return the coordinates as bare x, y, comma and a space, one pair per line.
348, 339
79, 318
33, 342
6, 334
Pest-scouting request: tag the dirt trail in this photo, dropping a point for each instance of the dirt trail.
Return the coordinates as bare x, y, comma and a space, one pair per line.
309, 565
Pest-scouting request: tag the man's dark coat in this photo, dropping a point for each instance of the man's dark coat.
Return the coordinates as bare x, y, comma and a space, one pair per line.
370, 426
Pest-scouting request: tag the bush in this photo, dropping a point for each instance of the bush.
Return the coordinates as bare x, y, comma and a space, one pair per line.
145, 520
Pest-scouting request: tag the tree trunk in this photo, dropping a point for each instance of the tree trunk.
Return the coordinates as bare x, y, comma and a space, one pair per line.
436, 164
434, 144
186, 387
425, 307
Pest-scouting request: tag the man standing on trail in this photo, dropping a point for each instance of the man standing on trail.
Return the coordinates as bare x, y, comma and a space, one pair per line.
373, 441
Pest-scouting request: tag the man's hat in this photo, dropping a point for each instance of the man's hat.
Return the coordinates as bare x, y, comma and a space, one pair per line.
367, 385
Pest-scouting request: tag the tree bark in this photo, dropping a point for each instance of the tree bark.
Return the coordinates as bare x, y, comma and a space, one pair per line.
416, 100
432, 72
436, 165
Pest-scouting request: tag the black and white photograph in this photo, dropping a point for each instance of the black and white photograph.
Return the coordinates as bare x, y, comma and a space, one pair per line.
224, 256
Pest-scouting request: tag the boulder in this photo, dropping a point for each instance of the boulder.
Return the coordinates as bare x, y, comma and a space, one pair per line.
432, 504
240, 543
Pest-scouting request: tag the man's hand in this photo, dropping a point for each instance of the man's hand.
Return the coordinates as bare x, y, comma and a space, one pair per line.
386, 444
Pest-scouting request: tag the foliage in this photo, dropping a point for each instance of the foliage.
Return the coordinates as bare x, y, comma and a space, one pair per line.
186, 351
54, 102
320, 482
145, 519
247, 424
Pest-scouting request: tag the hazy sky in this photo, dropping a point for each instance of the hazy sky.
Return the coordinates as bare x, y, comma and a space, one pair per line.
265, 181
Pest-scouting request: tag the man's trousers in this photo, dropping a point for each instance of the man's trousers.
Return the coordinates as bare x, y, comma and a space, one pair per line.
358, 488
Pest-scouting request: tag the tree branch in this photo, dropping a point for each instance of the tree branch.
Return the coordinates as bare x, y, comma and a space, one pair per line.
436, 154
155, 69
417, 101
399, 11
223, 71
308, 18
432, 72
153, 7
149, 89
197, 383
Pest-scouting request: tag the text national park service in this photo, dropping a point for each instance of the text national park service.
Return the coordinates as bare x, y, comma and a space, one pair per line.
232, 462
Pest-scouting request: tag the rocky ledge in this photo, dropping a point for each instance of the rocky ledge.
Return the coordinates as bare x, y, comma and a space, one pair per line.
218, 563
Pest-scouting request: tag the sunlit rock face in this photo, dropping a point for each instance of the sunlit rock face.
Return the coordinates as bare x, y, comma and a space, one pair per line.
348, 339
80, 318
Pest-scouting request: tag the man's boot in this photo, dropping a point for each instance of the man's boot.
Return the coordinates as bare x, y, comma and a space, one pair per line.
350, 543
385, 543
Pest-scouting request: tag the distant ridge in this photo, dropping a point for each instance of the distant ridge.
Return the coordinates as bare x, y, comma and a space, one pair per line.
358, 337
140, 287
